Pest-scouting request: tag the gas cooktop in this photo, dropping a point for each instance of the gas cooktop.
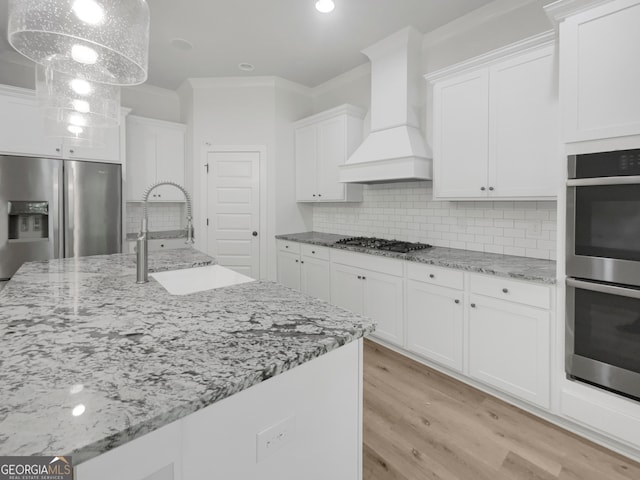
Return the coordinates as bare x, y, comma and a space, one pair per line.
382, 244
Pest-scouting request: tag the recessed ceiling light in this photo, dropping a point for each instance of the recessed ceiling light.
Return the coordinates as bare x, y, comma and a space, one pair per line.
325, 6
246, 67
182, 44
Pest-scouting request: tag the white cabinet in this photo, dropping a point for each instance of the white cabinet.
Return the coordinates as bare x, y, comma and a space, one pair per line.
155, 152
323, 143
22, 132
305, 268
509, 341
435, 314
371, 286
495, 127
600, 72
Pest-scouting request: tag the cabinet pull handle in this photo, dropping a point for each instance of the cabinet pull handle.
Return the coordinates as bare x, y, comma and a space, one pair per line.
491, 189
457, 301
473, 305
482, 188
505, 290
431, 275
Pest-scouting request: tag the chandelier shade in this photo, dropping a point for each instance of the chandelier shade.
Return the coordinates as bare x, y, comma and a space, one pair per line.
69, 96
57, 124
103, 41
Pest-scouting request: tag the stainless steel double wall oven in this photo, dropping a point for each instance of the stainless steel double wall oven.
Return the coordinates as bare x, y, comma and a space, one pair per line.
603, 269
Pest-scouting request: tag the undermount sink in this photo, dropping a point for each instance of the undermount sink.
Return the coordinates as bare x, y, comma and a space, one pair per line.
199, 279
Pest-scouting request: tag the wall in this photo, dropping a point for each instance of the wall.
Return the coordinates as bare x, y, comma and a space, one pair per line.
407, 211
162, 216
250, 111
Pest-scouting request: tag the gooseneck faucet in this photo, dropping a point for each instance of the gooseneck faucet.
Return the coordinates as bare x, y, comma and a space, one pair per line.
142, 252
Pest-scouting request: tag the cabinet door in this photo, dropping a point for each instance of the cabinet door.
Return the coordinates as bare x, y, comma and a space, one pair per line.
306, 164
600, 72
523, 141
509, 348
383, 303
331, 154
22, 129
461, 133
109, 152
289, 269
141, 159
315, 278
347, 289
169, 163
434, 323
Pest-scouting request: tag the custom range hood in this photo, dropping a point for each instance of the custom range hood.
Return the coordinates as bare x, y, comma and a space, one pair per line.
395, 150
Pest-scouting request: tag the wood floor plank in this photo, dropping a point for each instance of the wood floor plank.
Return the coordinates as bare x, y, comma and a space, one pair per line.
421, 424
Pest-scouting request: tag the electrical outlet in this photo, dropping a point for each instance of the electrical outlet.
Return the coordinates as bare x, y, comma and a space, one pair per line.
275, 437
535, 228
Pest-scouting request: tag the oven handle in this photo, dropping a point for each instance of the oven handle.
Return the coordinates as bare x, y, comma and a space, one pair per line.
609, 289
592, 182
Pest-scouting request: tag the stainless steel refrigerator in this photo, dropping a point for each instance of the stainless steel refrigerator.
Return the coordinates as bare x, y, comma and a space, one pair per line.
53, 208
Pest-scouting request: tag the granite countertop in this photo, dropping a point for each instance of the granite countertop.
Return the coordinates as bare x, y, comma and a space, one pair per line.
163, 235
80, 336
522, 268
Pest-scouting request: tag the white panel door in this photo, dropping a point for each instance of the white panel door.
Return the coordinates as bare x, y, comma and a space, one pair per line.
435, 317
306, 164
289, 269
332, 153
461, 133
509, 348
347, 289
170, 163
315, 278
523, 142
233, 210
383, 302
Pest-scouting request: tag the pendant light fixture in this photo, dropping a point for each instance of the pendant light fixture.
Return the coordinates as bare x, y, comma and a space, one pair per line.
75, 101
325, 6
103, 41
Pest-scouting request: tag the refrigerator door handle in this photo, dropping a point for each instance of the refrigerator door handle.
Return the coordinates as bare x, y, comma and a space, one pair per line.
69, 208
57, 220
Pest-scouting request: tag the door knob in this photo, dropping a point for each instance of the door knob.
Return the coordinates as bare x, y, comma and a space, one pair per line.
255, 234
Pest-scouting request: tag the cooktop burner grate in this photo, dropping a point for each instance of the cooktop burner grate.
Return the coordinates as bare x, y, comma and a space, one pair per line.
382, 244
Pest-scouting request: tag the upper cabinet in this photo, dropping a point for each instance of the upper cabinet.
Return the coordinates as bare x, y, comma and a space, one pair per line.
23, 132
600, 72
155, 152
495, 124
323, 143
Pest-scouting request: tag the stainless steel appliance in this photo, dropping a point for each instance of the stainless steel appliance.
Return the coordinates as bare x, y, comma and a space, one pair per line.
603, 265
57, 208
382, 244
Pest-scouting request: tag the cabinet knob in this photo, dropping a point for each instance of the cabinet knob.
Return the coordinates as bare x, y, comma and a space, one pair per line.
359, 277
431, 275
301, 261
491, 189
364, 278
314, 194
313, 251
482, 188
72, 151
505, 290
58, 150
473, 305
457, 301
255, 234
286, 246
319, 194
162, 245
297, 261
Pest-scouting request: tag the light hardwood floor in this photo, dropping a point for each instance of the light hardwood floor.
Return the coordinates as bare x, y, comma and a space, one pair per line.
421, 424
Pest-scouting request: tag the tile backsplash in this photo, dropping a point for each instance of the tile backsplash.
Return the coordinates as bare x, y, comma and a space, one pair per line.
162, 216
407, 211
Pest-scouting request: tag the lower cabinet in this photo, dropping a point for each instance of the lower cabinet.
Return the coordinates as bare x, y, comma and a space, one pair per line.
289, 269
509, 347
304, 269
314, 277
435, 318
371, 293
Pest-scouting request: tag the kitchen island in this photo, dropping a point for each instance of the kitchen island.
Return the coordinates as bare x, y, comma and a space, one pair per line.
97, 367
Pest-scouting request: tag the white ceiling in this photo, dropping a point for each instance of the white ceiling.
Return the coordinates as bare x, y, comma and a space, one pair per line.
285, 38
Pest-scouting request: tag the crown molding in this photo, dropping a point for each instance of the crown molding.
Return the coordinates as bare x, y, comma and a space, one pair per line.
561, 9
472, 19
345, 109
246, 82
356, 73
154, 121
545, 38
150, 89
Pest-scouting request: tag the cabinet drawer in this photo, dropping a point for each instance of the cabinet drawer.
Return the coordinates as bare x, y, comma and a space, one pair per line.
286, 246
315, 251
443, 277
511, 290
375, 263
